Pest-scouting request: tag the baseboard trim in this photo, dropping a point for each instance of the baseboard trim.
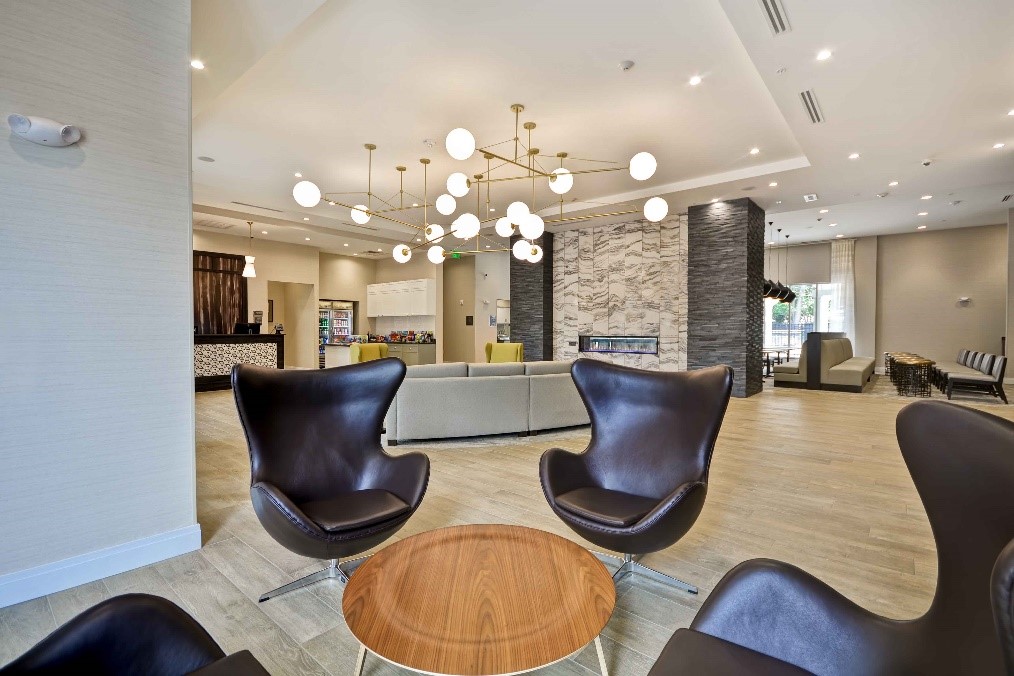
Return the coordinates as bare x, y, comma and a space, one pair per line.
49, 578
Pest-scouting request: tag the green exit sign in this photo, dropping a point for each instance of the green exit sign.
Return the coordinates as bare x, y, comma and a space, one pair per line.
456, 255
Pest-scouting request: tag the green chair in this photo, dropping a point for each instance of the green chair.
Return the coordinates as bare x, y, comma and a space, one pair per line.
498, 353
360, 352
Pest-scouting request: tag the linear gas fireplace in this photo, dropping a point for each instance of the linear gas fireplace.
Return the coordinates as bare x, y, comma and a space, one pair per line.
618, 344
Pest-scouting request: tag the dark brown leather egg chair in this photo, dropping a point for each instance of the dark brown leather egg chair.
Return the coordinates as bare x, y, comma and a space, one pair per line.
128, 635
1003, 603
321, 483
641, 483
772, 615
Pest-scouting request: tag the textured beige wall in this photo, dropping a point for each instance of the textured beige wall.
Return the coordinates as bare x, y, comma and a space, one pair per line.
492, 281
96, 408
920, 277
459, 301
346, 278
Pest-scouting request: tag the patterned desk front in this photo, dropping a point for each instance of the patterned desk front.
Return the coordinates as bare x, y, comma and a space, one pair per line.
214, 357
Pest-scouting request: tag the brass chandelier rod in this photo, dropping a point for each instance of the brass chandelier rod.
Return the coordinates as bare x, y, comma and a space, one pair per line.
550, 176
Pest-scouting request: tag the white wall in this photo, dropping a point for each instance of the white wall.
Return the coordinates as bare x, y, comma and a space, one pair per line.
96, 408
492, 282
275, 262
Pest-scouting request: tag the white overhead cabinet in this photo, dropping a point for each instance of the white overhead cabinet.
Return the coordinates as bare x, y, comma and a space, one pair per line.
413, 297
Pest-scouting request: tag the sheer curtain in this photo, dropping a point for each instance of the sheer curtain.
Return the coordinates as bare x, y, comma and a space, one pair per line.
843, 281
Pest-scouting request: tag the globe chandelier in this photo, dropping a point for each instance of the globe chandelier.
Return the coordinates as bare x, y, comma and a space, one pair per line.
464, 234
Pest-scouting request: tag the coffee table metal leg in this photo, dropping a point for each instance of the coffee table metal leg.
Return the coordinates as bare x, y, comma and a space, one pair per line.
602, 658
360, 660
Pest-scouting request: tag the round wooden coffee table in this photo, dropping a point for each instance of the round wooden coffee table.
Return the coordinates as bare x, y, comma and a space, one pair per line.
479, 600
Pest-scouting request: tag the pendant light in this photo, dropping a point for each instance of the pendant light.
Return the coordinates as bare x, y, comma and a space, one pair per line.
768, 284
248, 269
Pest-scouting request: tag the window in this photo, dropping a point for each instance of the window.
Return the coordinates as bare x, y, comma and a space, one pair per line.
786, 324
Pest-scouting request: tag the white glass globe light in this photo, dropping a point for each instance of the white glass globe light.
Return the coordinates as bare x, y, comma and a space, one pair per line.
504, 227
306, 194
457, 184
446, 204
516, 212
360, 214
521, 249
465, 226
434, 232
248, 269
460, 144
402, 253
656, 209
436, 255
535, 254
532, 226
563, 182
642, 166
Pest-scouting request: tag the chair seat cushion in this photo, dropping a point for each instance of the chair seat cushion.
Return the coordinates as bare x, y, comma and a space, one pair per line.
787, 367
974, 377
612, 508
692, 653
351, 511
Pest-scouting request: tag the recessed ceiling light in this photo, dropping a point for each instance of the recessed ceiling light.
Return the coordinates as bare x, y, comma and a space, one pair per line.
754, 151
197, 64
832, 225
307, 239
997, 146
854, 156
714, 200
927, 197
892, 184
823, 211
345, 244
264, 232
355, 254
205, 158
773, 184
487, 246
695, 80
306, 218
418, 239
298, 175
1011, 112
920, 227
838, 236
824, 55
923, 213
415, 204
778, 202
492, 208
379, 249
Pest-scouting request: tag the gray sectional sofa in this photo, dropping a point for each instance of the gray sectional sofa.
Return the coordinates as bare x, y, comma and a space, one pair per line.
440, 401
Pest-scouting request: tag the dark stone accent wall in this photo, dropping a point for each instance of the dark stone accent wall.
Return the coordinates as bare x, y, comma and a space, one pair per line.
532, 302
725, 279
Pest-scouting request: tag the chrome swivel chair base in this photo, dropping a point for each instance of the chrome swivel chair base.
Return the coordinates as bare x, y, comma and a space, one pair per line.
629, 566
335, 571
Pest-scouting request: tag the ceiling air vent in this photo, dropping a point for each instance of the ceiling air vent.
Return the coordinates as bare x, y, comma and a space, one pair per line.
1007, 198
812, 107
778, 22
812, 197
254, 206
212, 225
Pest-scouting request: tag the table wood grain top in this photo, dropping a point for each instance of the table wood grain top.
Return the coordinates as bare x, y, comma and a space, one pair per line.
479, 600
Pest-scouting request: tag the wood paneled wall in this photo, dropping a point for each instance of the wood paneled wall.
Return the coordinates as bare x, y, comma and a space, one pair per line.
220, 292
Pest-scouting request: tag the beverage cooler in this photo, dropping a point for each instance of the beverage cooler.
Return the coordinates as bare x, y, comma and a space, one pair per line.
336, 322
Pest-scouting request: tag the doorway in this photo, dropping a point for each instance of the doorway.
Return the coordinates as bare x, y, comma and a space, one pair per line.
294, 306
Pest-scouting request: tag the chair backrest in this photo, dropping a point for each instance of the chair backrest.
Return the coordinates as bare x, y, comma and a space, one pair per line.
363, 352
961, 356
977, 362
802, 360
498, 353
987, 363
962, 464
999, 367
313, 433
1003, 602
970, 358
652, 431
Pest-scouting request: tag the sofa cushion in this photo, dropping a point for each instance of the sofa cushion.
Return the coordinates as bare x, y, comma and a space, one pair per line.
790, 377
351, 511
612, 508
971, 378
787, 367
854, 372
555, 403
450, 370
542, 368
441, 408
504, 369
846, 347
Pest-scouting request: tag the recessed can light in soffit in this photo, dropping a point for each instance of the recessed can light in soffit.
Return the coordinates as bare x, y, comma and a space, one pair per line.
773, 184
345, 244
306, 218
997, 146
854, 156
832, 225
824, 55
892, 184
205, 158
923, 213
1011, 113
823, 211
307, 239
838, 236
754, 151
926, 197
695, 80
264, 232
920, 227
197, 64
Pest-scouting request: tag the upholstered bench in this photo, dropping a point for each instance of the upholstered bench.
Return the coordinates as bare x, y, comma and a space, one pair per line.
840, 368
792, 373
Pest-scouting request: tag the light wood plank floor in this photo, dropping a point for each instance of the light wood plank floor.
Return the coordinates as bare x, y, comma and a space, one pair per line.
812, 478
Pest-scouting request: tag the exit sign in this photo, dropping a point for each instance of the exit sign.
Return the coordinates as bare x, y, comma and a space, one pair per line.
456, 255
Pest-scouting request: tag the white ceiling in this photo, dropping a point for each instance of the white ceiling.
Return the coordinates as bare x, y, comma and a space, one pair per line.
908, 80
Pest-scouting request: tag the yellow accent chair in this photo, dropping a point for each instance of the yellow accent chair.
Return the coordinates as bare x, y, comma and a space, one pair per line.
499, 353
360, 352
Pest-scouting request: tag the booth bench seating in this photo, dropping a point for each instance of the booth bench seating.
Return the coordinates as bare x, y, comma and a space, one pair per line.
976, 371
441, 401
826, 362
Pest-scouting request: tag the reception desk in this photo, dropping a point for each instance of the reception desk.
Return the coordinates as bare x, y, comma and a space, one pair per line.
215, 355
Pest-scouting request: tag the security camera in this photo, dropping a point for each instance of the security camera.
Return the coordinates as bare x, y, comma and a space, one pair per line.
926, 163
43, 131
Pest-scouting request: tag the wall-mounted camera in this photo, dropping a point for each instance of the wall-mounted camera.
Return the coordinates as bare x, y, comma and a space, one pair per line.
926, 163
43, 131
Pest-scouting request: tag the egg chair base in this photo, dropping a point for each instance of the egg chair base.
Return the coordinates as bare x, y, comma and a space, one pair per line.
335, 571
630, 566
